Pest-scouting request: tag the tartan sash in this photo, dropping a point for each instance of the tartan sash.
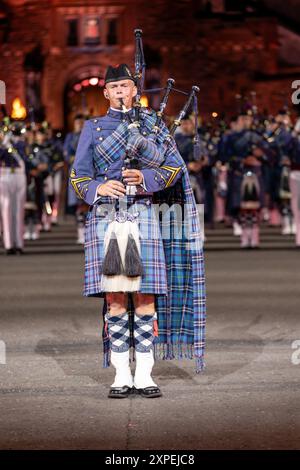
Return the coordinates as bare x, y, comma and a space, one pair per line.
113, 147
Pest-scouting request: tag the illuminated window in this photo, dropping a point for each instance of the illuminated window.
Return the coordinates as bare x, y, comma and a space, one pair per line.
91, 31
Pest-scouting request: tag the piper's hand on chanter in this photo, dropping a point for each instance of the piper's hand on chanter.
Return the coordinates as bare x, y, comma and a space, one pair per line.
132, 177
112, 188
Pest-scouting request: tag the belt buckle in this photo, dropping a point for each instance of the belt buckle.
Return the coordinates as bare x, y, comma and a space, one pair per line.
121, 216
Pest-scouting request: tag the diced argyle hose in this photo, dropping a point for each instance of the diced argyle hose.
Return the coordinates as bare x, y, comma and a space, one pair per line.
144, 332
118, 331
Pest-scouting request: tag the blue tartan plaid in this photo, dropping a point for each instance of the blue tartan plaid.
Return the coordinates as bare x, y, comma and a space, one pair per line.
146, 152
182, 314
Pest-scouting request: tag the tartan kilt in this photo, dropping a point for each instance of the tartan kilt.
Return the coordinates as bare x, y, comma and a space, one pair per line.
154, 277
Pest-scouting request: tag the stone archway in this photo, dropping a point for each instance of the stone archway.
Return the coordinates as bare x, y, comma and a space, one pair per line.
59, 79
87, 100
62, 73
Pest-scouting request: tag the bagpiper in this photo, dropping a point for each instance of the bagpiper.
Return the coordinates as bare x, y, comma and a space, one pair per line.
152, 282
244, 152
283, 145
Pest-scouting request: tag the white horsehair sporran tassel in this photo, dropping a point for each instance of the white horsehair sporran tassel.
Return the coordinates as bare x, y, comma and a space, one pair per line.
126, 234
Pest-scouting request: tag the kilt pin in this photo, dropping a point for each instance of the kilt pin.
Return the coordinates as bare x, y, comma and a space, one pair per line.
173, 265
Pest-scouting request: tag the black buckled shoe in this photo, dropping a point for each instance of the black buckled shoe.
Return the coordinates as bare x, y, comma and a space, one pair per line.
10, 251
149, 392
119, 392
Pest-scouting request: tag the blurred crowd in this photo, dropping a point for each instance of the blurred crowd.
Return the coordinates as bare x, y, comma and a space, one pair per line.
245, 171
34, 181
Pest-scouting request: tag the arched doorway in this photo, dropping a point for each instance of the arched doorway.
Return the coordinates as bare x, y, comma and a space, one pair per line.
84, 95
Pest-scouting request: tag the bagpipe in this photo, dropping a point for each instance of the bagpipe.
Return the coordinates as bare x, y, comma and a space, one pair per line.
134, 124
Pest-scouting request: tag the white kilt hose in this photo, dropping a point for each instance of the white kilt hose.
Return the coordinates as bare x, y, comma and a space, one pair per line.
295, 203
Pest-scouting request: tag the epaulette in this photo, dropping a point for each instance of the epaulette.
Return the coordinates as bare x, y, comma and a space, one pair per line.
96, 119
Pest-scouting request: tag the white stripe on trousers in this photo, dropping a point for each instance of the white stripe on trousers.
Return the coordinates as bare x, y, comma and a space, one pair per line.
295, 203
12, 201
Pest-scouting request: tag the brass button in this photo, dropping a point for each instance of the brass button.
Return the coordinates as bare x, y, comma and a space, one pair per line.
123, 167
123, 120
105, 177
98, 129
95, 120
100, 138
105, 169
144, 133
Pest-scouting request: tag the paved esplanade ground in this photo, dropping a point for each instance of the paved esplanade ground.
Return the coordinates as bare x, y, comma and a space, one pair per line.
54, 390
